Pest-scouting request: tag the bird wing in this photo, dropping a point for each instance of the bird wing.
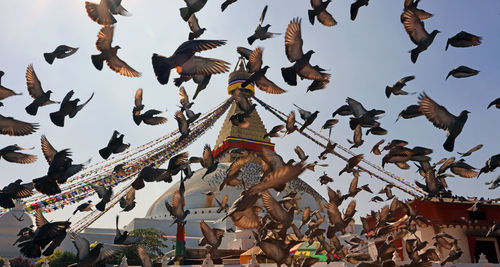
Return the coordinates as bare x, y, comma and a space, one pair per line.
326, 18
181, 121
356, 107
17, 157
193, 46
203, 66
193, 23
272, 206
40, 219
315, 3
13, 127
81, 244
272, 159
208, 158
435, 113
474, 149
263, 15
120, 66
107, 251
80, 107
34, 86
144, 256
255, 60
67, 97
104, 38
100, 13
290, 121
309, 72
244, 52
293, 41
298, 150
48, 150
154, 120
406, 79
266, 85
177, 200
414, 26
138, 97
183, 96
100, 190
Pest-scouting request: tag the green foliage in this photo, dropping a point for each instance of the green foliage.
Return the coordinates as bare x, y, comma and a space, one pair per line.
2, 261
58, 259
152, 240
20, 262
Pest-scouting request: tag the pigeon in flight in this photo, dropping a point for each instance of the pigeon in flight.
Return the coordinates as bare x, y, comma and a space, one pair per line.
463, 39
4, 91
462, 72
68, 108
196, 30
418, 35
192, 6
41, 98
319, 11
60, 52
261, 33
103, 12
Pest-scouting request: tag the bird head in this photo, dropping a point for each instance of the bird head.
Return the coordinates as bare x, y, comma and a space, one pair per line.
125, 232
309, 53
90, 201
49, 92
117, 47
1, 104
1, 73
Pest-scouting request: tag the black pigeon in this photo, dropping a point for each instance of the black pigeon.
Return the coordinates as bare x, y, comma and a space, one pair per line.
4, 91
61, 166
344, 110
397, 88
109, 54
412, 111
10, 154
490, 165
463, 39
183, 125
15, 190
226, 3
462, 72
261, 33
418, 35
186, 63
355, 7
41, 98
495, 103
124, 238
68, 108
87, 206
319, 11
60, 52
307, 116
103, 12
104, 194
95, 256
149, 117
192, 6
196, 30
442, 119
115, 145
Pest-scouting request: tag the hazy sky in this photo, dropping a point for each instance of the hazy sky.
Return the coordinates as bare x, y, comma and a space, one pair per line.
363, 57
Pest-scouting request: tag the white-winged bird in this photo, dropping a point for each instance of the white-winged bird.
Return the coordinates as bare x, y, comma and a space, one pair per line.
109, 54
261, 33
115, 145
418, 35
60, 52
442, 119
186, 63
103, 12
41, 98
68, 108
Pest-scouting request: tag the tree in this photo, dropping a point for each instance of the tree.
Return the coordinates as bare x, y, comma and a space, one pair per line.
58, 259
152, 240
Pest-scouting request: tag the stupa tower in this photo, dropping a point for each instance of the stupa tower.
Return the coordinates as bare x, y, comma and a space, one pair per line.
231, 136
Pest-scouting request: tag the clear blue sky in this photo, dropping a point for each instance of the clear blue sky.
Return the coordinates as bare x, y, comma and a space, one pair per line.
363, 57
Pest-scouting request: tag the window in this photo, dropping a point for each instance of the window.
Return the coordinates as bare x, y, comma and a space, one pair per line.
488, 247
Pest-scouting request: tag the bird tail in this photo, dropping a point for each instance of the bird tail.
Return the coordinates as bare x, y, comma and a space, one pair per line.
32, 109
311, 14
161, 67
414, 54
49, 57
388, 91
449, 144
105, 153
101, 206
251, 39
191, 36
185, 13
57, 118
98, 61
289, 75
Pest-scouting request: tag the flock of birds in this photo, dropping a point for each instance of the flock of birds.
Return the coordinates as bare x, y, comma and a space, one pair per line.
272, 233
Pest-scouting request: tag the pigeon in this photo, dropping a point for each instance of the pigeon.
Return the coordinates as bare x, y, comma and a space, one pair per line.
186, 63
413, 4
10, 154
60, 52
397, 88
176, 210
211, 236
183, 125
344, 110
355, 7
493, 228
258, 74
462, 72
294, 53
103, 12
261, 33
13, 127
412, 111
15, 190
470, 151
124, 238
494, 183
68, 108
104, 193
192, 6
290, 126
463, 39
184, 99
319, 11
98, 254
87, 206
375, 150
115, 145
376, 130
226, 3
442, 119
491, 164
4, 91
495, 103
351, 163
274, 131
418, 35
208, 161
357, 140
196, 31
41, 98
109, 54
127, 202
149, 117
325, 179
307, 116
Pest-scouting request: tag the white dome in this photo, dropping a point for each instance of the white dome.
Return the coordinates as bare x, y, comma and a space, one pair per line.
195, 187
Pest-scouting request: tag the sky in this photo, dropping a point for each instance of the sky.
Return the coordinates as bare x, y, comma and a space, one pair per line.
362, 56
